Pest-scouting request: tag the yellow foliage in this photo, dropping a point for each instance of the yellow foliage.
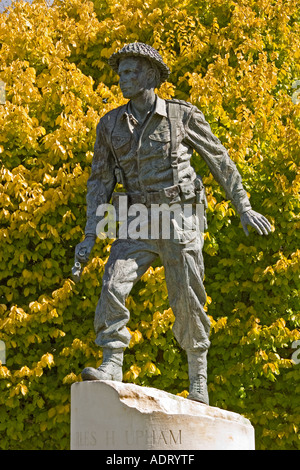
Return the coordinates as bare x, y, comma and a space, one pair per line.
237, 61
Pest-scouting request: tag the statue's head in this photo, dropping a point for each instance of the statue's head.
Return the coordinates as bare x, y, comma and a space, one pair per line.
139, 66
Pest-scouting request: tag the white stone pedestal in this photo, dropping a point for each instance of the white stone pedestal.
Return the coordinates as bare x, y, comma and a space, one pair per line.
117, 416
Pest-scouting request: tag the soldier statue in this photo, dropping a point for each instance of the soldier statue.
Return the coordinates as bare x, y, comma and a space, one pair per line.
146, 145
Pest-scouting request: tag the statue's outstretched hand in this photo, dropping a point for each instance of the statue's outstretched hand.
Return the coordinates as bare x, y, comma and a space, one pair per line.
256, 220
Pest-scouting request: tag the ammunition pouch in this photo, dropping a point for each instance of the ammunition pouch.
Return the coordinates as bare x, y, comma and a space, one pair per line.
190, 193
201, 197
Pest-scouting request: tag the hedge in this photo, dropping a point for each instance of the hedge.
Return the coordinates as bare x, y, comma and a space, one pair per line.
238, 61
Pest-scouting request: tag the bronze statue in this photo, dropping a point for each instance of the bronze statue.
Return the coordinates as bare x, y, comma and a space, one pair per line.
146, 145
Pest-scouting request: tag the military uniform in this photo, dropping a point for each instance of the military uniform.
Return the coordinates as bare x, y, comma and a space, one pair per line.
152, 161
154, 166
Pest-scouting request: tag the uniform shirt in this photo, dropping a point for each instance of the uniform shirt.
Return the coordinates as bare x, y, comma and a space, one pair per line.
142, 150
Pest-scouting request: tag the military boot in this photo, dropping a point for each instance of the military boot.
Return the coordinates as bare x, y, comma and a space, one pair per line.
110, 369
197, 362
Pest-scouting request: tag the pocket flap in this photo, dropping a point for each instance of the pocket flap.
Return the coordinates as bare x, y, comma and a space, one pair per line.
119, 140
161, 136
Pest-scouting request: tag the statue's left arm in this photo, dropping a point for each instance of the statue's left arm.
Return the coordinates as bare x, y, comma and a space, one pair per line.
200, 137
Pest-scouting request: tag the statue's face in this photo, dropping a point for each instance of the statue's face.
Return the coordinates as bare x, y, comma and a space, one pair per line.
134, 76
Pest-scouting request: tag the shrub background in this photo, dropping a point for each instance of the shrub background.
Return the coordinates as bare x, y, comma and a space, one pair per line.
235, 60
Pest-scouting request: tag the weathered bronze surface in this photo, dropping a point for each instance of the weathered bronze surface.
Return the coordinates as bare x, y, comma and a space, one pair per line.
146, 145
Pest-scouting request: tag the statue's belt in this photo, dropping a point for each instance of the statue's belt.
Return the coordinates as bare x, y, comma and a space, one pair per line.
179, 193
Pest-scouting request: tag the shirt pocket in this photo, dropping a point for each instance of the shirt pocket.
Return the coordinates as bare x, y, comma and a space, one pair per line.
121, 143
161, 135
159, 141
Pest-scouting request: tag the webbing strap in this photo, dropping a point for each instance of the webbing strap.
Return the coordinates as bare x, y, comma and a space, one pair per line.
110, 140
173, 118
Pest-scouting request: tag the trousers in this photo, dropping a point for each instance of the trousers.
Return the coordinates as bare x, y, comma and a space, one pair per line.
184, 271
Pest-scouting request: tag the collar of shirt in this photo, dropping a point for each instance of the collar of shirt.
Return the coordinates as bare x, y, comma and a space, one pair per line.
159, 108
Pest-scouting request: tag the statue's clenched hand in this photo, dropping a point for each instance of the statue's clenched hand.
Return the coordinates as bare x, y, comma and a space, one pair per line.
82, 254
256, 220
84, 248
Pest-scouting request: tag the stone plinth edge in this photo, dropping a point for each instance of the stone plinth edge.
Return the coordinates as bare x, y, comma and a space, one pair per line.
107, 415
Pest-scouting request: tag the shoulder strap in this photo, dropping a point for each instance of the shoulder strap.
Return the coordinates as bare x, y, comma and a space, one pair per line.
113, 122
118, 171
173, 116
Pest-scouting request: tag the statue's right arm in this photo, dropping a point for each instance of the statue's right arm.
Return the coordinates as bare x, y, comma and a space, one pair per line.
100, 186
